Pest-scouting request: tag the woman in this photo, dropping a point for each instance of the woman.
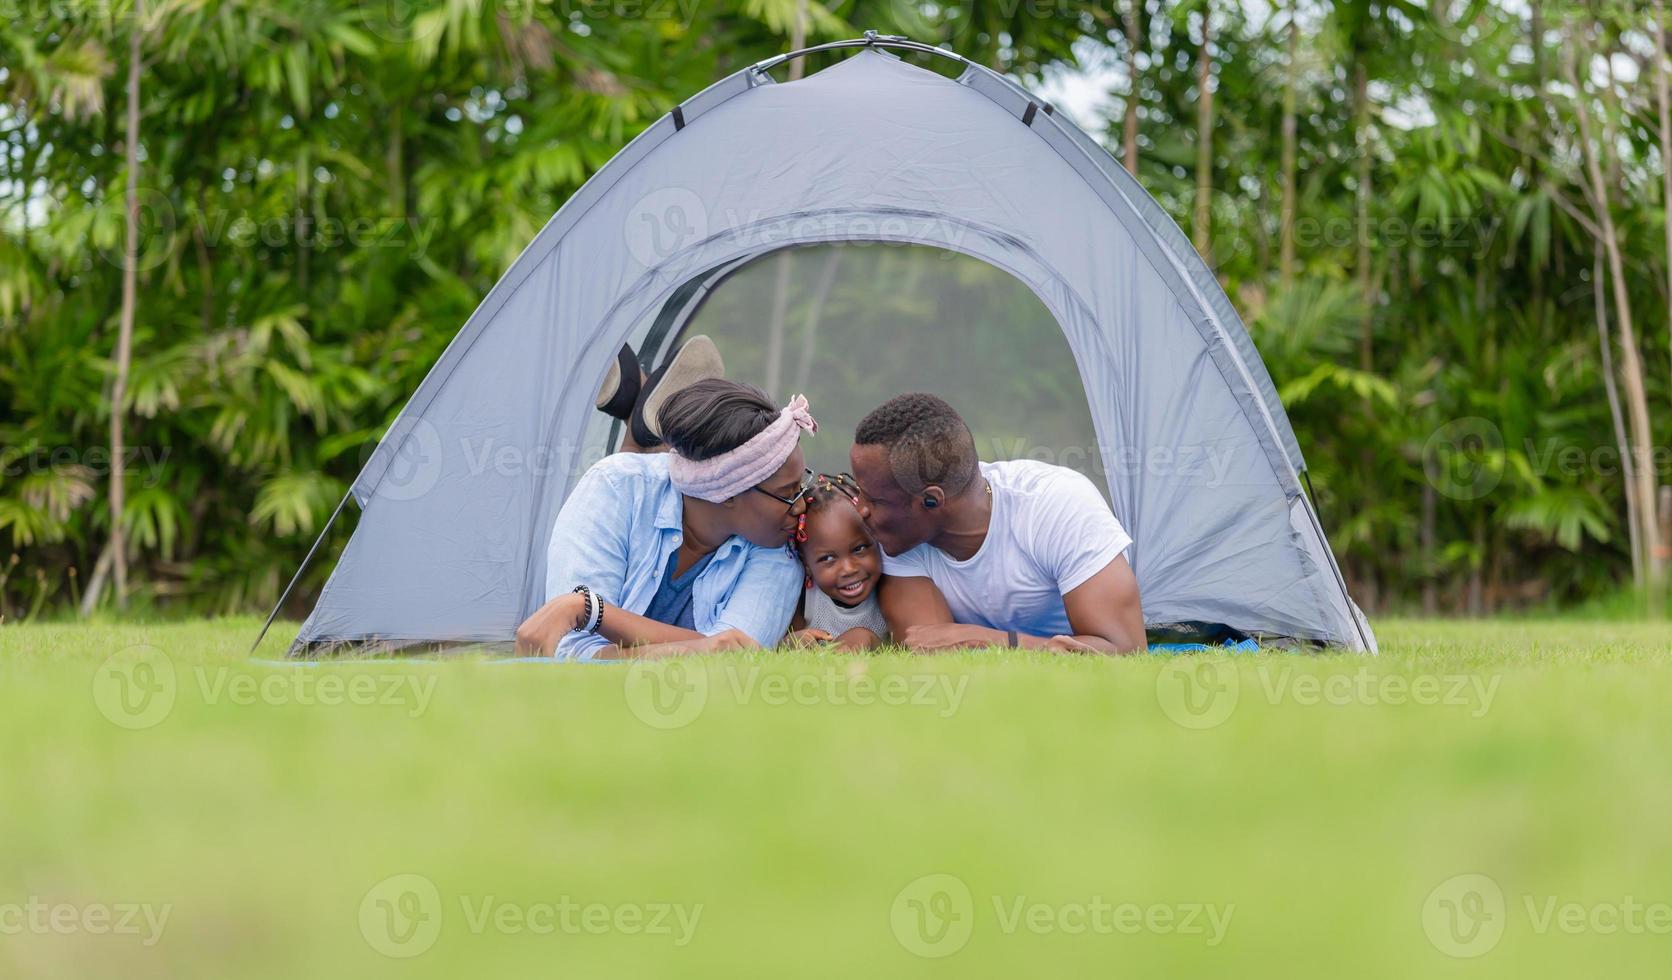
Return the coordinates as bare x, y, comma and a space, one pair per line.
681, 552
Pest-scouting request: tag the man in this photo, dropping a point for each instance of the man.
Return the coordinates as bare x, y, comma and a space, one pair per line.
1017, 553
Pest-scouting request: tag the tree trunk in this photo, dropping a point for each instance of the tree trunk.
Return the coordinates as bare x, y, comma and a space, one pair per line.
1476, 601
1430, 589
96, 581
125, 329
1361, 140
798, 39
1664, 100
781, 283
394, 162
1631, 366
815, 312
1129, 146
1203, 224
1291, 85
1612, 389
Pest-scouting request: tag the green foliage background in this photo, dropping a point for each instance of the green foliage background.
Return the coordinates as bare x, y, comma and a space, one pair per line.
329, 188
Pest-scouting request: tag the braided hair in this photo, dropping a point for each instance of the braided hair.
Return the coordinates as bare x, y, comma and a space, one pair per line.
826, 490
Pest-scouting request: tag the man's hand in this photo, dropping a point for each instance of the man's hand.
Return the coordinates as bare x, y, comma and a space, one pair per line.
950, 636
1071, 644
539, 634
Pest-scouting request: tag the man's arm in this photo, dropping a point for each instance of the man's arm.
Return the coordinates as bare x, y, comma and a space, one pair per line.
910, 602
1104, 612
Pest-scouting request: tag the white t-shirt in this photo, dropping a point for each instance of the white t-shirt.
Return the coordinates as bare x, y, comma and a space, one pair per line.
1051, 530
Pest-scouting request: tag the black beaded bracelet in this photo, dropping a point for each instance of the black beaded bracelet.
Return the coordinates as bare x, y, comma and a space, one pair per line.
594, 610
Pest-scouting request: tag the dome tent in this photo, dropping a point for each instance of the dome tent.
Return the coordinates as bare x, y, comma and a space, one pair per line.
452, 547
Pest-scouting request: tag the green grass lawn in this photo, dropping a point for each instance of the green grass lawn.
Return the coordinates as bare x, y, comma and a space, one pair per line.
1484, 799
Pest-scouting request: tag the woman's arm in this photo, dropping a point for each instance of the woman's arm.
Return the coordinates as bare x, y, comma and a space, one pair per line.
762, 602
630, 629
729, 640
628, 636
799, 620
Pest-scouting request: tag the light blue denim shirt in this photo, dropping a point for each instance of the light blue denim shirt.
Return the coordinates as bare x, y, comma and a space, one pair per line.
615, 533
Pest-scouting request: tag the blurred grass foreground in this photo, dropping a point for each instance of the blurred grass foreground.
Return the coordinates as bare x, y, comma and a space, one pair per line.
1485, 799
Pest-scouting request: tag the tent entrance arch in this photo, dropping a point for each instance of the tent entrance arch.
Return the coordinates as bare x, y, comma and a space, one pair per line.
853, 323
448, 549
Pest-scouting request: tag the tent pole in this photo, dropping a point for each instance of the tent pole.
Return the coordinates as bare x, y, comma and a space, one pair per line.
871, 40
304, 567
1318, 523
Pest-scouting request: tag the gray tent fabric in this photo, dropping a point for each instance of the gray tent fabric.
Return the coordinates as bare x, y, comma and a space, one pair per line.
1203, 468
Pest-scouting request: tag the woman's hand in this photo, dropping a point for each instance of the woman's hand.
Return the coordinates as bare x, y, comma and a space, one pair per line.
539, 634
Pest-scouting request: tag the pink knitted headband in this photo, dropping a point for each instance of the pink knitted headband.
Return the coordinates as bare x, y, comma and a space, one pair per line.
723, 477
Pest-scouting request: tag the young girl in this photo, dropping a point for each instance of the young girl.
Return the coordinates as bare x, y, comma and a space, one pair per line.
844, 571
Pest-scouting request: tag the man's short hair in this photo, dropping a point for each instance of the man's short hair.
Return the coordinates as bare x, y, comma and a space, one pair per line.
927, 441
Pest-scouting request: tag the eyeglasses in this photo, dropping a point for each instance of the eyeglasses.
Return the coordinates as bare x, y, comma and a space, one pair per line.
799, 501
